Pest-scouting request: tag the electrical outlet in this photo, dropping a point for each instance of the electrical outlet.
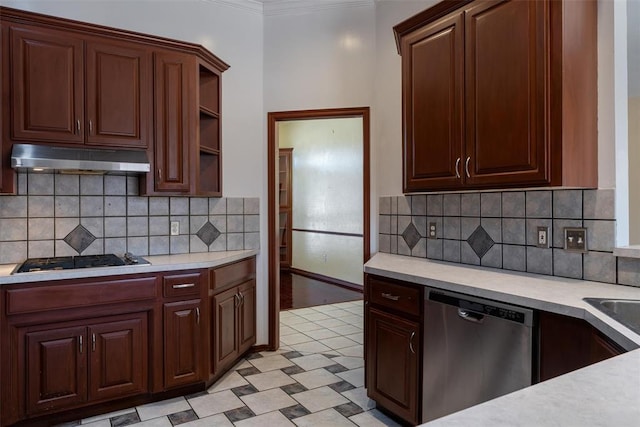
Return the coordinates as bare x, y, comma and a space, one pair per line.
543, 237
324, 257
575, 239
433, 230
175, 228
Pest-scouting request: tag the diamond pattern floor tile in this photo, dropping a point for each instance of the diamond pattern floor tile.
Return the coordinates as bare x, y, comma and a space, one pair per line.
315, 379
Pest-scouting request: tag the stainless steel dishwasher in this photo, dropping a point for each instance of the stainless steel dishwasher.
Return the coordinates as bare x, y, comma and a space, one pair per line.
474, 350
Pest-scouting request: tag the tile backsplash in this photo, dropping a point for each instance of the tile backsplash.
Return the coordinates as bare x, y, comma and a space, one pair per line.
499, 229
58, 215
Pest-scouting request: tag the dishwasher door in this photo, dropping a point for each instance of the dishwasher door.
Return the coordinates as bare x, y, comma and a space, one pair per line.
474, 350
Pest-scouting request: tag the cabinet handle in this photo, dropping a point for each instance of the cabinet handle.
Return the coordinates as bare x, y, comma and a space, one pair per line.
237, 298
198, 315
413, 334
93, 342
90, 127
159, 174
80, 343
78, 126
184, 285
458, 167
466, 167
241, 297
391, 297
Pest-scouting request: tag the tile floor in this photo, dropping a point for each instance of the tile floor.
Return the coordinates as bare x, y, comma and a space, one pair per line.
316, 378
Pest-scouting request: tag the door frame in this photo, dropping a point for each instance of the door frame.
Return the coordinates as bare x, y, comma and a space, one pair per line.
272, 149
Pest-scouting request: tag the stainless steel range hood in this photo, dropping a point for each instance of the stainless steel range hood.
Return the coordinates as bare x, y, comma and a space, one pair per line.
43, 157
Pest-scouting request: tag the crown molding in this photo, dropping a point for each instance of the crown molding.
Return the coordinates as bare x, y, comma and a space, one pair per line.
254, 6
293, 7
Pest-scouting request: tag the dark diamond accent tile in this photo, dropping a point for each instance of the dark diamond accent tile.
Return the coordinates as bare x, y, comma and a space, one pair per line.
125, 420
331, 356
341, 386
334, 369
295, 411
292, 354
208, 233
79, 238
411, 235
239, 414
348, 409
198, 394
182, 417
292, 370
254, 356
293, 388
244, 390
480, 241
248, 371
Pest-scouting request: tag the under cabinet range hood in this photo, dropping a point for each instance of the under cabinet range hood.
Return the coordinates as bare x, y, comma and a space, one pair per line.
43, 157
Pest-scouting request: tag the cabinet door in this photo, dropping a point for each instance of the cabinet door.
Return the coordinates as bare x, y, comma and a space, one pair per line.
56, 365
247, 316
174, 76
393, 355
118, 361
119, 86
47, 85
505, 92
432, 88
224, 329
182, 343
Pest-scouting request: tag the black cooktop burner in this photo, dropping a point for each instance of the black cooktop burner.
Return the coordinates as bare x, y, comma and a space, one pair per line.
83, 261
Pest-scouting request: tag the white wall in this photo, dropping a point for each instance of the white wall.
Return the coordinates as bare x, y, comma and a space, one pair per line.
235, 35
327, 195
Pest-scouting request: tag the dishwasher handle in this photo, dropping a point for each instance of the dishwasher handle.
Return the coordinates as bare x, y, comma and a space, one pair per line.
470, 316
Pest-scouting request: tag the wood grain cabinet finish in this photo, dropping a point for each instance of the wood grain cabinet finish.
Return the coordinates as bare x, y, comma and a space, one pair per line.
232, 298
66, 82
68, 366
183, 343
567, 344
499, 93
174, 75
49, 89
393, 346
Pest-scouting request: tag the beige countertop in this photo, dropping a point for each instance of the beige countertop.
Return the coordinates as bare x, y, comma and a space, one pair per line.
158, 263
603, 394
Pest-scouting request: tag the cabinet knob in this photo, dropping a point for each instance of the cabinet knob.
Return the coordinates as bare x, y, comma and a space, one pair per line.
466, 167
458, 167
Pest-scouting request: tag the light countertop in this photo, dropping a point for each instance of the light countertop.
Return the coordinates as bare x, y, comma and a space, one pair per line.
603, 394
158, 263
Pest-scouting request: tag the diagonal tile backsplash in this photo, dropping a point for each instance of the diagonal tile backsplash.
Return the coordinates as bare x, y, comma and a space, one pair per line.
58, 215
499, 229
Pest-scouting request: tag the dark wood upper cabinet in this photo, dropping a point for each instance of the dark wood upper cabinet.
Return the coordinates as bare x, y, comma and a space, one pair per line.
499, 93
66, 82
174, 75
47, 84
119, 94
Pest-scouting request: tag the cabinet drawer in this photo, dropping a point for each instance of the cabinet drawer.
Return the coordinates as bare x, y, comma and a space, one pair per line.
231, 274
182, 284
404, 298
52, 297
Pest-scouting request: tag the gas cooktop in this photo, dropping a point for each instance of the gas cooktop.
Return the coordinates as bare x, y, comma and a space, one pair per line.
83, 261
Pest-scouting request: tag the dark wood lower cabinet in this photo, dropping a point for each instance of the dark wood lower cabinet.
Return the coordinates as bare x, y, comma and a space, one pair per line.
182, 343
67, 366
567, 344
393, 363
75, 348
393, 346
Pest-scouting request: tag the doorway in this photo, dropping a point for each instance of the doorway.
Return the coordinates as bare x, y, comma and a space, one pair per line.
307, 233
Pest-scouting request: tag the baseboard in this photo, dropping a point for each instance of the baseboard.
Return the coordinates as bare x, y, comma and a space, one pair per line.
323, 278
